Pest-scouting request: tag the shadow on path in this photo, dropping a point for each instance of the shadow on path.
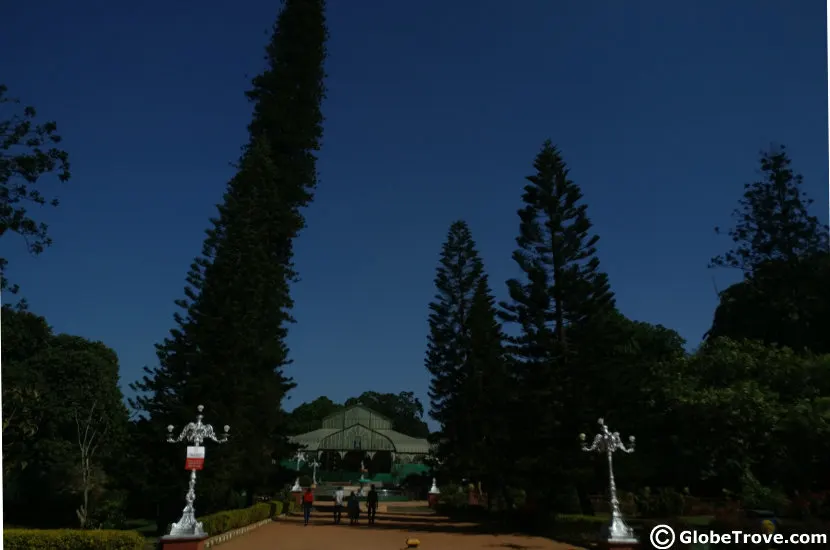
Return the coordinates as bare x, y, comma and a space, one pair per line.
406, 523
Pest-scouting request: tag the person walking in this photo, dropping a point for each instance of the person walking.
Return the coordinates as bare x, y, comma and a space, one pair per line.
308, 500
372, 504
354, 509
338, 505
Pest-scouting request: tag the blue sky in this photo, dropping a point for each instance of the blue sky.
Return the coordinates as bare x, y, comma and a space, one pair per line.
435, 111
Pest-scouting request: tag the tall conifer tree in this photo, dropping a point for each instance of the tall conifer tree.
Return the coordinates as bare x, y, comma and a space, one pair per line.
562, 290
228, 350
469, 387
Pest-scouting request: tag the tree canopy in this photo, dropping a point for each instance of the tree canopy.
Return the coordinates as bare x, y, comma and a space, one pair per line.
53, 395
783, 251
29, 150
773, 222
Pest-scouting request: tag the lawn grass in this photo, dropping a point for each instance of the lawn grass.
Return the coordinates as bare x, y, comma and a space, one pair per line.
144, 526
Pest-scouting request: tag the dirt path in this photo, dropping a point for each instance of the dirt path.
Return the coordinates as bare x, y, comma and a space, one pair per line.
389, 533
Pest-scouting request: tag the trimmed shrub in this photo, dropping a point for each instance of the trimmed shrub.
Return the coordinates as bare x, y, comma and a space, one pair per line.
222, 522
71, 539
289, 506
276, 508
452, 496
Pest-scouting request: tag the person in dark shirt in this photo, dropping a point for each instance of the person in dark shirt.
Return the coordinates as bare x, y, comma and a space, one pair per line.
372, 504
354, 509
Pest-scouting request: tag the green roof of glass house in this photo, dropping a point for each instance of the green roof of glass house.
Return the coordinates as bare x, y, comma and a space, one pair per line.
359, 428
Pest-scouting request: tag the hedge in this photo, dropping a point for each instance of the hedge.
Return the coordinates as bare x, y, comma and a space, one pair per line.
75, 539
71, 539
279, 508
222, 522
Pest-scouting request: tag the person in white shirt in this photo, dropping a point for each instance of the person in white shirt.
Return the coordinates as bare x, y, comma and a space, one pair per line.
338, 505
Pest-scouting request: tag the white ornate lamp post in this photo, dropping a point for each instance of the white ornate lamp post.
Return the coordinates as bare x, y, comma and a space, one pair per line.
300, 458
314, 465
195, 433
606, 442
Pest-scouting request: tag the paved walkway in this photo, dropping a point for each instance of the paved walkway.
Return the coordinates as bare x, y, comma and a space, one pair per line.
388, 533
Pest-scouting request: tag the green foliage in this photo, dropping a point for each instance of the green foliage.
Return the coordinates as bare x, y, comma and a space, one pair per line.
453, 496
625, 366
222, 522
109, 512
557, 253
562, 290
781, 303
66, 539
307, 417
404, 410
756, 496
773, 222
664, 502
277, 508
77, 406
741, 395
24, 335
783, 251
567, 501
749, 412
28, 151
470, 386
287, 99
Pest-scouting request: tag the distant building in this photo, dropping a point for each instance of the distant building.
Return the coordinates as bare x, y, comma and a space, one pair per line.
358, 437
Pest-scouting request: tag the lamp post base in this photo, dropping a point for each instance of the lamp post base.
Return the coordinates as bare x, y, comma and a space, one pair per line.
618, 535
620, 545
171, 542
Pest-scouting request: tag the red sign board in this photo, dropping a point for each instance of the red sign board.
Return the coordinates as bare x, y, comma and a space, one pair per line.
195, 459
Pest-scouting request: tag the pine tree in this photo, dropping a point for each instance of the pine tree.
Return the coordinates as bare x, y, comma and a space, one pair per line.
773, 222
562, 291
287, 99
466, 361
489, 387
456, 279
228, 351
